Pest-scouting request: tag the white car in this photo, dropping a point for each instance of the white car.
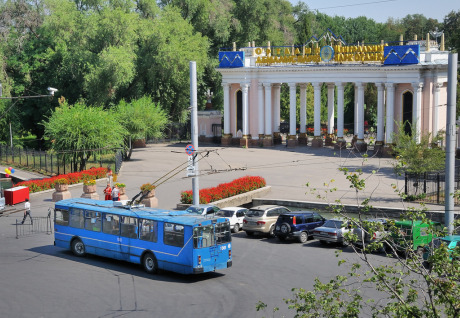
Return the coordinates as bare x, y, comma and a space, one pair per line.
235, 216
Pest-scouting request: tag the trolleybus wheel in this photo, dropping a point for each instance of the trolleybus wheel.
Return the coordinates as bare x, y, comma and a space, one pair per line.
78, 248
150, 263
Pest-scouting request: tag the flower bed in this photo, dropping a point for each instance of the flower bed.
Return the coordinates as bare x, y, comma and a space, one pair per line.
72, 178
225, 190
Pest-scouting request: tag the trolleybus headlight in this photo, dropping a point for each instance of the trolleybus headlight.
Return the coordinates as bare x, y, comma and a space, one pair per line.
199, 259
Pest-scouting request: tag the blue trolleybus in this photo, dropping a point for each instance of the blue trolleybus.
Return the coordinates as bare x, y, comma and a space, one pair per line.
158, 239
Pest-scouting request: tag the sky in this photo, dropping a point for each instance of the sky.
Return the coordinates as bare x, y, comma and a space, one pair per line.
381, 10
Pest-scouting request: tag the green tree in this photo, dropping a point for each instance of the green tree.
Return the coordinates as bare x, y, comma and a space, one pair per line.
141, 118
77, 130
417, 157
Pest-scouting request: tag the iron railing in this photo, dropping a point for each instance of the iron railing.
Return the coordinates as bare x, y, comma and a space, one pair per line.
429, 186
36, 226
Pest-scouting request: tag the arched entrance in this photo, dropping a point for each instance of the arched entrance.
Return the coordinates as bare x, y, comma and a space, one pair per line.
239, 110
407, 112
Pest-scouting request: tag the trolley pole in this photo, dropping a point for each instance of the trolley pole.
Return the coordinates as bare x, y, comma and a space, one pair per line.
194, 130
450, 142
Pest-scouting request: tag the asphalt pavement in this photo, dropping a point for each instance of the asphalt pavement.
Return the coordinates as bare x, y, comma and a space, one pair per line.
41, 280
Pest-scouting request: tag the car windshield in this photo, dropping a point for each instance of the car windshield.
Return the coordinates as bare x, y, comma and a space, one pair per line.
336, 224
252, 212
194, 209
225, 213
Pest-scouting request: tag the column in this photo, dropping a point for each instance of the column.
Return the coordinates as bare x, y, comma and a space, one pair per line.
355, 114
226, 87
340, 113
317, 141
380, 114
390, 113
436, 88
303, 114
276, 112
245, 89
330, 108
292, 139
417, 109
268, 112
360, 112
292, 109
260, 98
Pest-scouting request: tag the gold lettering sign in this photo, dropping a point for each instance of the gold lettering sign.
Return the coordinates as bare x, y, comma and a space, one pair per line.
305, 55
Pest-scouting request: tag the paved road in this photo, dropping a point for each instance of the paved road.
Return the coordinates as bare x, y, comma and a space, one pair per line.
40, 280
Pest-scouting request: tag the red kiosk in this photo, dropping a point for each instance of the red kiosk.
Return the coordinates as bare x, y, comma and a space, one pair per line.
16, 195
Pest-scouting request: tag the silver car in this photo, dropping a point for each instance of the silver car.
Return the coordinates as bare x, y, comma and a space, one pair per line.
332, 231
380, 233
262, 219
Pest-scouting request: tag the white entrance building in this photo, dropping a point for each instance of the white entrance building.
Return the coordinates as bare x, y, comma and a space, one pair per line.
411, 82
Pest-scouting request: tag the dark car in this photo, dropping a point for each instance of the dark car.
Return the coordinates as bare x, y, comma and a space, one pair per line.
299, 225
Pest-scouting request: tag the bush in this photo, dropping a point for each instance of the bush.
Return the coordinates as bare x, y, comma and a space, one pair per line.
38, 185
225, 190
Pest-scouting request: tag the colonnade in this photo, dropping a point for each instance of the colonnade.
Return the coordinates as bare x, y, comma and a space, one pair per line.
268, 110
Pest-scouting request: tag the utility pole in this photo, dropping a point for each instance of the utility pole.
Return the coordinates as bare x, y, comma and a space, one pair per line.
194, 130
450, 142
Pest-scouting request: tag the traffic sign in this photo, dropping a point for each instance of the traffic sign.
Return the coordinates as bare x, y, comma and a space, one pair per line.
190, 167
189, 149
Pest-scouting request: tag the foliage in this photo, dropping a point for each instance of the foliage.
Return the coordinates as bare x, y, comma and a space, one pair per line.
120, 185
225, 190
61, 181
77, 130
38, 185
89, 182
407, 286
417, 157
140, 118
147, 187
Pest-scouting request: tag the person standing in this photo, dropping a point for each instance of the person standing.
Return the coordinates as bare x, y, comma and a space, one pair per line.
115, 193
108, 192
27, 212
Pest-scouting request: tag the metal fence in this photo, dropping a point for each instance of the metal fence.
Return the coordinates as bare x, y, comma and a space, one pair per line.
36, 226
429, 186
50, 163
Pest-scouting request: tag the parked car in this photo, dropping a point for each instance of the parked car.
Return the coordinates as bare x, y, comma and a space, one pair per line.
261, 219
298, 224
413, 235
450, 242
332, 231
235, 216
203, 209
373, 233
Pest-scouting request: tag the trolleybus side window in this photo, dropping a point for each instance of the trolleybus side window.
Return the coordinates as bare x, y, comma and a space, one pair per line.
173, 234
203, 236
93, 221
110, 224
61, 217
77, 218
223, 233
128, 227
148, 230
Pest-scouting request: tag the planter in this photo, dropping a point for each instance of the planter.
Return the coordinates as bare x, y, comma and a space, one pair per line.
89, 192
89, 188
62, 192
61, 187
149, 200
139, 143
149, 194
122, 193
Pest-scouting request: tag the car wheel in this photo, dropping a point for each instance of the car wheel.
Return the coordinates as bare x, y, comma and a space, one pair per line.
419, 252
285, 228
149, 262
345, 243
271, 232
303, 238
236, 228
78, 248
249, 233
